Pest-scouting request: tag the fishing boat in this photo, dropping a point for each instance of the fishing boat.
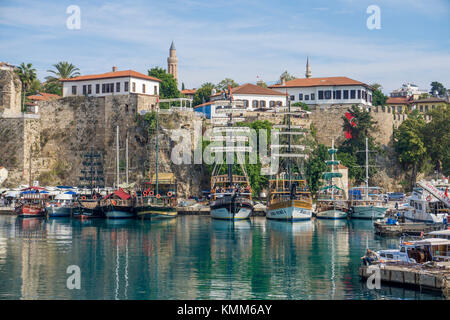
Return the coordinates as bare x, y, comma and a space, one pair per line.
32, 203
367, 202
289, 197
159, 199
118, 205
428, 203
61, 206
331, 202
231, 193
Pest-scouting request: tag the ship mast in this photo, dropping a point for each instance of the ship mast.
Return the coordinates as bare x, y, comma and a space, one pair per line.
367, 168
157, 154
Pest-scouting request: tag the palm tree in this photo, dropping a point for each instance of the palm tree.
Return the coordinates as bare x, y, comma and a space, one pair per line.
64, 70
27, 75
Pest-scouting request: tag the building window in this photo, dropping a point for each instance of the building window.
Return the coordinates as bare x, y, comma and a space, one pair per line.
320, 95
89, 89
246, 103
143, 88
125, 86
399, 109
334, 94
426, 108
300, 96
345, 94
97, 88
103, 87
74, 90
271, 104
432, 106
359, 94
338, 94
262, 104
313, 96
328, 94
352, 94
111, 87
255, 103
292, 98
306, 96
370, 98
84, 90
133, 87
117, 86
156, 90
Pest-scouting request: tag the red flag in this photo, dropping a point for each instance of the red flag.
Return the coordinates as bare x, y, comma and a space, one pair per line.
446, 192
350, 118
231, 93
348, 134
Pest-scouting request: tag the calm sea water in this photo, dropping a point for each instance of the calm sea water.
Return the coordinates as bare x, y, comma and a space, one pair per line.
189, 258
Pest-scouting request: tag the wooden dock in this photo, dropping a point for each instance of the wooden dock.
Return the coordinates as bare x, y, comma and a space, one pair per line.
194, 210
411, 229
435, 278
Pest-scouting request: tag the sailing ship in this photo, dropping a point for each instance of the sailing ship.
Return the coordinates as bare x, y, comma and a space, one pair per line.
158, 199
367, 202
331, 203
88, 201
289, 197
231, 193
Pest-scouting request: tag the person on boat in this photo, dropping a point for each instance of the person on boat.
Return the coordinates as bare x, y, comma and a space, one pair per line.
370, 257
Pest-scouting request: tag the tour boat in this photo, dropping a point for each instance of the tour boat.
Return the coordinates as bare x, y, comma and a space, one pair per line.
89, 207
159, 198
367, 202
289, 197
331, 203
32, 203
61, 206
427, 203
231, 194
118, 205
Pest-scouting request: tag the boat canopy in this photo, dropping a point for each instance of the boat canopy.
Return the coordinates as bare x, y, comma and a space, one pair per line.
119, 193
330, 175
64, 196
164, 178
331, 187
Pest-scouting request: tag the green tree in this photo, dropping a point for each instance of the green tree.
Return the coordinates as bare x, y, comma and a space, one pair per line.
27, 75
364, 126
378, 97
203, 94
439, 87
303, 105
315, 166
52, 87
286, 76
409, 145
436, 136
62, 70
223, 85
36, 86
424, 96
261, 84
168, 85
182, 86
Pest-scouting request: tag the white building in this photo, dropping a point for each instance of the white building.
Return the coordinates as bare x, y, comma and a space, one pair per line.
330, 91
255, 97
115, 82
408, 90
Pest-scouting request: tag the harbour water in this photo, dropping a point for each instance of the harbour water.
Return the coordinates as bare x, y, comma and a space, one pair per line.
190, 257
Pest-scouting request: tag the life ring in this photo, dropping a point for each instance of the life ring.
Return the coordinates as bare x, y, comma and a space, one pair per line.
158, 196
169, 194
83, 198
145, 193
429, 198
113, 202
151, 193
94, 197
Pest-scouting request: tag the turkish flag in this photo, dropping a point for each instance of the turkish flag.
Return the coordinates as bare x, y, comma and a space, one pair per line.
348, 134
350, 118
446, 192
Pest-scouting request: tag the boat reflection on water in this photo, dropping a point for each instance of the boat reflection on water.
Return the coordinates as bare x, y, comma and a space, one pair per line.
60, 229
30, 224
290, 227
332, 224
231, 224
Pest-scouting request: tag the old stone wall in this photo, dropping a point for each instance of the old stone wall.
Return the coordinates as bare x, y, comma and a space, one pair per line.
10, 93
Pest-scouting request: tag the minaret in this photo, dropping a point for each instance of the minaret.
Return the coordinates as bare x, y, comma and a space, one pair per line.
172, 62
308, 69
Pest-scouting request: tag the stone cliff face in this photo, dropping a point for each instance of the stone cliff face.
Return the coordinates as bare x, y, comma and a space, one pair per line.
10, 93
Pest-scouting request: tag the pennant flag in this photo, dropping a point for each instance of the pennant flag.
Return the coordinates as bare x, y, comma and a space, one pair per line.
231, 93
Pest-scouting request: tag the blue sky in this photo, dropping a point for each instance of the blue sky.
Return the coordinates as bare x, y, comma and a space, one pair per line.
241, 40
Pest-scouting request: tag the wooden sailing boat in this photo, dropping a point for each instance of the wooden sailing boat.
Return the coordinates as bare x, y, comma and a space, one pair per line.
367, 202
331, 203
158, 199
231, 194
289, 197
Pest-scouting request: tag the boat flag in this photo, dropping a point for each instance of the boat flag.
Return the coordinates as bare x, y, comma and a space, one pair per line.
348, 132
446, 192
231, 93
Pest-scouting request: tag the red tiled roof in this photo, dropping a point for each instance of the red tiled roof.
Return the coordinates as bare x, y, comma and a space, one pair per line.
42, 96
188, 91
249, 88
398, 100
203, 104
314, 82
115, 74
119, 193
